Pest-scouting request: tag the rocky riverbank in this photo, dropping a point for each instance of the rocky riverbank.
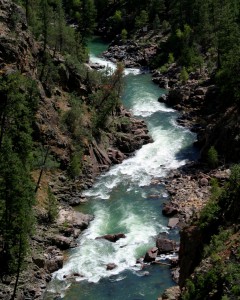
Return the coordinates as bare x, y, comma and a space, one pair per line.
189, 188
20, 53
52, 239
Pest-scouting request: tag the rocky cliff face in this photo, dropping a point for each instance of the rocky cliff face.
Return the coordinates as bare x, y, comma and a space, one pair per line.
19, 52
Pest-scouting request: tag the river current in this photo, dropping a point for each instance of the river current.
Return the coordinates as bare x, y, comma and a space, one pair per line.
127, 200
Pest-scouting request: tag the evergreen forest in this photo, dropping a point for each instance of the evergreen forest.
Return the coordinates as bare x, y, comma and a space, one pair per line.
194, 35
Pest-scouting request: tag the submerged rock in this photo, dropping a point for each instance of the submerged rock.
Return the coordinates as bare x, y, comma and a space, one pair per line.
111, 266
112, 237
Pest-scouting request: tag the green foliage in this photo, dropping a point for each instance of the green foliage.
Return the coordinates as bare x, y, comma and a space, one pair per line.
171, 58
75, 166
141, 20
19, 101
212, 157
116, 22
163, 69
220, 276
209, 214
217, 243
156, 23
51, 206
106, 99
124, 35
48, 72
38, 155
73, 119
184, 75
165, 25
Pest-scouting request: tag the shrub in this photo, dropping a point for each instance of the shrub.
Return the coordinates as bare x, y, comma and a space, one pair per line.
75, 166
124, 35
171, 58
212, 157
209, 214
51, 206
184, 75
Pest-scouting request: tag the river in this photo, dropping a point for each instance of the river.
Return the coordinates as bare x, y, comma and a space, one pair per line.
125, 200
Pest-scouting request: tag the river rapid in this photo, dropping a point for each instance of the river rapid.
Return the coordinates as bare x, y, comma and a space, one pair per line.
127, 200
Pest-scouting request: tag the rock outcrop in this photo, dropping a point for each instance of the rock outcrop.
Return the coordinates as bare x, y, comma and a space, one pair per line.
131, 54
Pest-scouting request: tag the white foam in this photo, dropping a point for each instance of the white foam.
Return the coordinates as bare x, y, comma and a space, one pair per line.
103, 62
146, 105
152, 160
112, 66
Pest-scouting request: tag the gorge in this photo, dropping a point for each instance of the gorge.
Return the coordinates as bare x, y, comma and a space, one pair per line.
94, 161
127, 200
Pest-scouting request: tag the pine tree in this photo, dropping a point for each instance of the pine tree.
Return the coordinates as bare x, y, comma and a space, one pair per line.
16, 188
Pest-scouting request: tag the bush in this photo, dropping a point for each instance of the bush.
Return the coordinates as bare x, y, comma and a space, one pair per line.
184, 75
75, 166
171, 58
124, 35
212, 157
51, 206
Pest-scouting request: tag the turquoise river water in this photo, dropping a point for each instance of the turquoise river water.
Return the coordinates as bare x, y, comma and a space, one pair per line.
125, 200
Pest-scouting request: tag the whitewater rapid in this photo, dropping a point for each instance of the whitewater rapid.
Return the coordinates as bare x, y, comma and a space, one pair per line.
119, 197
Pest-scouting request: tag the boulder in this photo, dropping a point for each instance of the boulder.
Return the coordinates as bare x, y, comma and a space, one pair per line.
169, 210
74, 201
74, 218
162, 98
151, 254
112, 237
54, 263
200, 91
95, 66
165, 245
173, 222
172, 293
203, 181
61, 242
39, 261
111, 266
116, 156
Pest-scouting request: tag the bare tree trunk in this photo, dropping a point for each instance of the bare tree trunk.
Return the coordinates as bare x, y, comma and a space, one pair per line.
42, 168
18, 268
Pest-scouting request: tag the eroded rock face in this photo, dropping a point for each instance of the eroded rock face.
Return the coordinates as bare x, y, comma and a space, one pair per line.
131, 54
190, 251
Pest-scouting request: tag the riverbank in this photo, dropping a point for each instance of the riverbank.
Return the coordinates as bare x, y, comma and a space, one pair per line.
54, 149
189, 187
